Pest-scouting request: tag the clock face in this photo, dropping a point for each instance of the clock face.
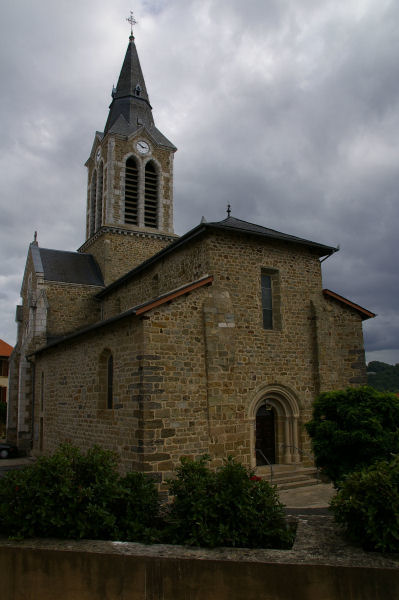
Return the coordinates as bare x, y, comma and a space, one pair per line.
142, 147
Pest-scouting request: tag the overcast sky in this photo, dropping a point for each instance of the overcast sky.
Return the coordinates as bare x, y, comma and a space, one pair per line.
286, 109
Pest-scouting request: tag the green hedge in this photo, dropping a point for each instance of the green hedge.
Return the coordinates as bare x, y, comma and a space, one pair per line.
229, 507
367, 504
72, 495
353, 428
75, 495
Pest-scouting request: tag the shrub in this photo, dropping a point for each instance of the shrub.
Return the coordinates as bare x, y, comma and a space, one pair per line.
229, 507
352, 428
367, 504
72, 495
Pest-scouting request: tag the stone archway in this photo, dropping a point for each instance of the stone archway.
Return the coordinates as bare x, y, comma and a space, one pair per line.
282, 403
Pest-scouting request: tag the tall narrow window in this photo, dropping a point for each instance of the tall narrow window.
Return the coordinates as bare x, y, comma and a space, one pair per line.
131, 191
271, 299
150, 195
99, 211
42, 393
93, 194
110, 381
267, 301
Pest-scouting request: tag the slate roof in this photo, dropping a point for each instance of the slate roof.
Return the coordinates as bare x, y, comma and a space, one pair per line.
66, 267
233, 224
128, 111
230, 224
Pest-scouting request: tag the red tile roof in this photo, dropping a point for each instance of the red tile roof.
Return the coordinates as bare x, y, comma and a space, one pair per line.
364, 313
5, 349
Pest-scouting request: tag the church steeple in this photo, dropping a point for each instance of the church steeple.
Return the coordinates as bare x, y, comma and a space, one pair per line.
129, 213
130, 102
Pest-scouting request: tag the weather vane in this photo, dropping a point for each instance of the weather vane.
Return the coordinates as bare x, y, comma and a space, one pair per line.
132, 22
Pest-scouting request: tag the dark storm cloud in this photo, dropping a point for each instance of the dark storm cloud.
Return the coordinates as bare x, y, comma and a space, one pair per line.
289, 111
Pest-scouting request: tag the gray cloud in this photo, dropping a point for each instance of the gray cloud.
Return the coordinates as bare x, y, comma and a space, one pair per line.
287, 111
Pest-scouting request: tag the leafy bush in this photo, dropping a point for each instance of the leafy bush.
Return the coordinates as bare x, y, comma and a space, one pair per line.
71, 495
352, 428
229, 507
368, 506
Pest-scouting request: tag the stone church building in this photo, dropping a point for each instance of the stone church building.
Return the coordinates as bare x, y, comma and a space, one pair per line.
158, 346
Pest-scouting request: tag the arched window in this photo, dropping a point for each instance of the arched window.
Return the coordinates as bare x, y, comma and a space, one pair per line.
99, 211
150, 195
93, 194
131, 191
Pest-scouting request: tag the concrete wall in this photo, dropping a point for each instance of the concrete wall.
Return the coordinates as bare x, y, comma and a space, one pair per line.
30, 573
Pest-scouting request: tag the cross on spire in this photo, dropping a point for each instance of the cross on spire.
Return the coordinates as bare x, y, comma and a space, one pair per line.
132, 22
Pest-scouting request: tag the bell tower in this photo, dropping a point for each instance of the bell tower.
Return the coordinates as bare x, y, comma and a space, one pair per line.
129, 215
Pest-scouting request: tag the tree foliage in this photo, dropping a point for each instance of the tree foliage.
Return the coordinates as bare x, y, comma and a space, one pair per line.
367, 505
353, 428
229, 507
383, 377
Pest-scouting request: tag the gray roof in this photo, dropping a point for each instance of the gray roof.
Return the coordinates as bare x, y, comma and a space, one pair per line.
233, 224
230, 224
130, 108
67, 267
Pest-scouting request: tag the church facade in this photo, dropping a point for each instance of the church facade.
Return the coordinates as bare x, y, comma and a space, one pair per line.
157, 346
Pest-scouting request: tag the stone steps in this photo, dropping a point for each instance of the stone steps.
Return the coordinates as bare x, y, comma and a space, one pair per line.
289, 476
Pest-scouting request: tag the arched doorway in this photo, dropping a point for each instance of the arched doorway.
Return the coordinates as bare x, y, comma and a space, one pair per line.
265, 444
274, 418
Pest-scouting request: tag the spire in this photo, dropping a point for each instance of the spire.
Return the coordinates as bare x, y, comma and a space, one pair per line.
130, 107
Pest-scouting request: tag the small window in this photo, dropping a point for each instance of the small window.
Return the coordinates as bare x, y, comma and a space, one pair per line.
110, 381
138, 90
270, 296
42, 392
4, 367
106, 380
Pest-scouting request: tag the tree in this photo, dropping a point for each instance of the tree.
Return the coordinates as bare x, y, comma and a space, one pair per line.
353, 428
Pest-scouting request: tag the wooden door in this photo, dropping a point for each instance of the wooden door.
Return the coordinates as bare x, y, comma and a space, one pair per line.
265, 435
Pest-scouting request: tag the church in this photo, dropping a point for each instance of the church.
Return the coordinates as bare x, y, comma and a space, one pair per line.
157, 346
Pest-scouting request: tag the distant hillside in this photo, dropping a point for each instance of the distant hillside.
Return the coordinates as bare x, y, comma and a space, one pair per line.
383, 377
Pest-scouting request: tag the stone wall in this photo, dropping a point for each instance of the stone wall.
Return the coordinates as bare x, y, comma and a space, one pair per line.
319, 566
70, 307
338, 344
191, 374
181, 266
118, 251
160, 410
68, 404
